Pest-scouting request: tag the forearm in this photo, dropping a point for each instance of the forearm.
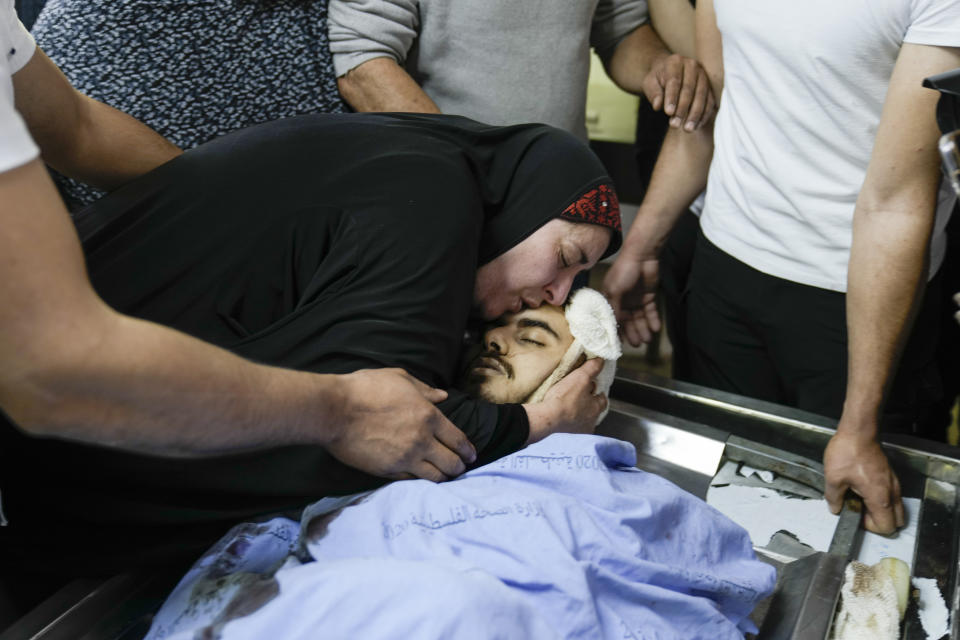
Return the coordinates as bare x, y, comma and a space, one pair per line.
885, 279
673, 20
111, 148
74, 367
383, 85
124, 382
634, 57
679, 176
83, 138
891, 228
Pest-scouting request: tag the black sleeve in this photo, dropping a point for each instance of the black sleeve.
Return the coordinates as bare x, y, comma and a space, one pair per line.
495, 430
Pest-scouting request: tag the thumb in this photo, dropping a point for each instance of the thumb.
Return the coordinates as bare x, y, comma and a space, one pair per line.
592, 367
833, 493
613, 292
432, 394
614, 300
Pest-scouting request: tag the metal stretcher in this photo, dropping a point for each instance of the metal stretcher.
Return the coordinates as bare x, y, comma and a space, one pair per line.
684, 433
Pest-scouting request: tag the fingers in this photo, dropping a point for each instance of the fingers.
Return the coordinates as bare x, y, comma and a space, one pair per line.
879, 519
635, 332
580, 379
651, 317
456, 441
592, 367
640, 326
427, 471
688, 86
881, 506
833, 493
698, 105
898, 511
602, 402
445, 460
671, 89
711, 108
653, 89
432, 394
614, 300
657, 102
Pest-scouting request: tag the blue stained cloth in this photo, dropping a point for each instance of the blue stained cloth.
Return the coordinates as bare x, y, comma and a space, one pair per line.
563, 539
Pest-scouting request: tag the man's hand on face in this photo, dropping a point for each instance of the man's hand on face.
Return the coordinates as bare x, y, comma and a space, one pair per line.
853, 462
631, 286
681, 88
391, 429
570, 406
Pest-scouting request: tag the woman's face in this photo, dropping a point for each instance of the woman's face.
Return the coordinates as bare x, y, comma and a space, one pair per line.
539, 269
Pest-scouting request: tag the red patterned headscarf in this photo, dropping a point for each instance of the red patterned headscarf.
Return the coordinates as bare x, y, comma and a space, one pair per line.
597, 205
536, 173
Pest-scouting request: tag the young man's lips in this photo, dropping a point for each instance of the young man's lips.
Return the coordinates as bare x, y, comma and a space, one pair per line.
490, 363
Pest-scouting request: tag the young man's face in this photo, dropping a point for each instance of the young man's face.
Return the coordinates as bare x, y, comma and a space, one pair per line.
520, 350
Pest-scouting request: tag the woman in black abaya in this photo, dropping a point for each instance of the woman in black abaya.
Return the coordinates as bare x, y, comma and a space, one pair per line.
325, 243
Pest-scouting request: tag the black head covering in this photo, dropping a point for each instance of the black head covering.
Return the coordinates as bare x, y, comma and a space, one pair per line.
527, 175
541, 174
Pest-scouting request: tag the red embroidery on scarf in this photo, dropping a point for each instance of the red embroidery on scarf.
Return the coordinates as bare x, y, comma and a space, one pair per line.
599, 206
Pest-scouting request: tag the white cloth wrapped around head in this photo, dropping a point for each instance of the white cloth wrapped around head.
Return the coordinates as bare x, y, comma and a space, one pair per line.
594, 330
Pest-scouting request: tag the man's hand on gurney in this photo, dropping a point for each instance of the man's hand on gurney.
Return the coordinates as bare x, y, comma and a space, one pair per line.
389, 427
855, 461
570, 406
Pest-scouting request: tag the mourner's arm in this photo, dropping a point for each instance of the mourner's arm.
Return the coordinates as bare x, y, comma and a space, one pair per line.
675, 23
679, 176
80, 137
891, 231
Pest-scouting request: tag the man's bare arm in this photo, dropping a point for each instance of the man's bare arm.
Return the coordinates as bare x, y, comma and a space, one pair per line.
891, 231
75, 368
381, 84
80, 137
679, 176
674, 22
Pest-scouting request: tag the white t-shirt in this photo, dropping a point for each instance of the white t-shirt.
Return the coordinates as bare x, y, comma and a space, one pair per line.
16, 48
804, 86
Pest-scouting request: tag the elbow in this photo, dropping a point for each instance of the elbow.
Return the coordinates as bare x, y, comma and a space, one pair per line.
35, 407
50, 382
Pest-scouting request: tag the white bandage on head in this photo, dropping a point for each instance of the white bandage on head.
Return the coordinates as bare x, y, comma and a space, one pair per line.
594, 330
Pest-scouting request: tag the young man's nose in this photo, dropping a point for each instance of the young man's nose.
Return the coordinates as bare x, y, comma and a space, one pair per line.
494, 341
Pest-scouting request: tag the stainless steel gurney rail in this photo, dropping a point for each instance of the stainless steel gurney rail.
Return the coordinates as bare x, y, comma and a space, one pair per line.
651, 411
